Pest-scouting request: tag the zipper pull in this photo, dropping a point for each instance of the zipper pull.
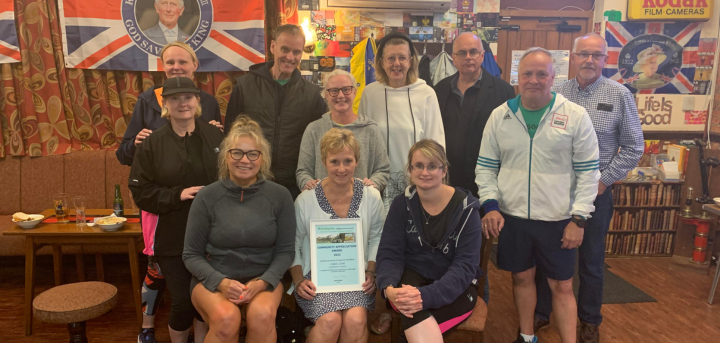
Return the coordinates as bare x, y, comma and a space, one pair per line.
241, 195
420, 240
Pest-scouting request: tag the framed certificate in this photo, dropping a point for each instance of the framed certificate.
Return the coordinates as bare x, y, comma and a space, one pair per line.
337, 257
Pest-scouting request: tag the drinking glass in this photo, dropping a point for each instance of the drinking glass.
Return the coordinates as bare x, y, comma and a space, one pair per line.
132, 207
60, 204
80, 219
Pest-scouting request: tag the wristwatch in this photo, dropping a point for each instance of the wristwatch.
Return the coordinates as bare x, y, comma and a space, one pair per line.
580, 221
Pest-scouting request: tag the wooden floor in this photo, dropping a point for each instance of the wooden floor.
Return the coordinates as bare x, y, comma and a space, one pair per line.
680, 315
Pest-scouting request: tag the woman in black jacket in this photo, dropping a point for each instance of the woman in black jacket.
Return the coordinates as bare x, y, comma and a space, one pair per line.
170, 167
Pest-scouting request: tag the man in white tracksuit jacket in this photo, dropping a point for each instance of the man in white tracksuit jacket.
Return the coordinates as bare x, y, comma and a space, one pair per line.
537, 174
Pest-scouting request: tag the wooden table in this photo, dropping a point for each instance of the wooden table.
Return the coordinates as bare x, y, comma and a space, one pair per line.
58, 235
714, 209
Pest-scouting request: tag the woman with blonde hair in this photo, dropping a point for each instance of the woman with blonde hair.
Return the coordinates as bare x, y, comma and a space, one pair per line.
429, 255
373, 165
178, 60
170, 167
404, 107
240, 240
338, 315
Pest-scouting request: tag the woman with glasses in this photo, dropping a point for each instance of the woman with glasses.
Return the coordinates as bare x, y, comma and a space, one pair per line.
338, 315
404, 107
240, 240
373, 166
170, 167
429, 256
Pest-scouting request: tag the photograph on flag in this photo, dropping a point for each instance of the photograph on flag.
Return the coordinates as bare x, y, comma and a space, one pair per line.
652, 58
129, 34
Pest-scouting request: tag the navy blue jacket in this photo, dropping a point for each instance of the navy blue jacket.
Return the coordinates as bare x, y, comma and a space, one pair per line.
453, 264
146, 115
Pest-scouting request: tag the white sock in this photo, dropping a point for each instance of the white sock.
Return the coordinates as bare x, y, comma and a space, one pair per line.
527, 338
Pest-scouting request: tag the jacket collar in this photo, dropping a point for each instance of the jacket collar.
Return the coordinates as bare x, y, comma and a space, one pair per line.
234, 188
263, 70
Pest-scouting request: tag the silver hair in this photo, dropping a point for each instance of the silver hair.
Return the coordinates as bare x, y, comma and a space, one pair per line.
340, 72
535, 50
588, 35
181, 3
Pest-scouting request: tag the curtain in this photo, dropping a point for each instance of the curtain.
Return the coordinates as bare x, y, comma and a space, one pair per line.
46, 109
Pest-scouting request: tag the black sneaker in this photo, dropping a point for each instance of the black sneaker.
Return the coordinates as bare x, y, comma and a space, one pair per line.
520, 339
147, 336
539, 324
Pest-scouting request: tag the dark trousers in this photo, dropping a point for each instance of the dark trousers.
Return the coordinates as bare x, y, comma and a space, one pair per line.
178, 279
590, 267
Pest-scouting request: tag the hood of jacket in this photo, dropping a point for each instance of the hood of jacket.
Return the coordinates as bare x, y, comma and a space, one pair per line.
459, 217
361, 121
263, 70
410, 87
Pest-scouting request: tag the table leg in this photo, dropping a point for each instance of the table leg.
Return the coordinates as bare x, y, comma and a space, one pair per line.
29, 282
80, 265
57, 264
132, 251
714, 284
99, 267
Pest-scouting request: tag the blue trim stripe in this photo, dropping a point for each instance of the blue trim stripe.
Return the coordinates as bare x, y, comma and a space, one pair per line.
577, 164
588, 168
491, 166
488, 159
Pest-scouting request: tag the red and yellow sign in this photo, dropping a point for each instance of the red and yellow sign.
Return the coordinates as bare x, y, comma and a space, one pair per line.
696, 10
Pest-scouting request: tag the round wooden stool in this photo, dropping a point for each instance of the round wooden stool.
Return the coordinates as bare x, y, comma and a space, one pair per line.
73, 304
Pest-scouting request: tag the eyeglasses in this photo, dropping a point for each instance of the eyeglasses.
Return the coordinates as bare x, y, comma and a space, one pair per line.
345, 90
238, 154
402, 58
430, 167
462, 53
584, 55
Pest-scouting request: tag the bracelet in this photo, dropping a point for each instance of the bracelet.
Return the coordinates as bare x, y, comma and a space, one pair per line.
296, 284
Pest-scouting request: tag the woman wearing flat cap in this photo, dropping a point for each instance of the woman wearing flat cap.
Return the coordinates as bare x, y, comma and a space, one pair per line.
170, 167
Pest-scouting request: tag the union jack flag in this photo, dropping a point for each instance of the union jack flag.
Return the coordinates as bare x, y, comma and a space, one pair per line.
229, 35
9, 51
675, 75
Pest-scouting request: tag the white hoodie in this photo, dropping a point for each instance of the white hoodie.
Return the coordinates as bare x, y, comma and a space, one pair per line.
406, 114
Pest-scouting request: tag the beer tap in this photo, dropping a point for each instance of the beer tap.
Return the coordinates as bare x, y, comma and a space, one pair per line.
687, 210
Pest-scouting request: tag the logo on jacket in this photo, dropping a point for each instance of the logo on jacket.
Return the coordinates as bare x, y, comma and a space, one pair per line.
507, 116
559, 121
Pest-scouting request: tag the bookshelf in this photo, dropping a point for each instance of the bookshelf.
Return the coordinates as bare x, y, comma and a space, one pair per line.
645, 219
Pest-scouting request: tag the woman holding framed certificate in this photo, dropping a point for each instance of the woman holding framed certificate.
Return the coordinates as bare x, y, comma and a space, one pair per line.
239, 240
339, 224
429, 254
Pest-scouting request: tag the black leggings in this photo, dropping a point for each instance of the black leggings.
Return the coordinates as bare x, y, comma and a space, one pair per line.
447, 316
178, 279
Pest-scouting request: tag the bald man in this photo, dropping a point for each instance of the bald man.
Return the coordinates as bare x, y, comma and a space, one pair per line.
537, 174
466, 100
614, 115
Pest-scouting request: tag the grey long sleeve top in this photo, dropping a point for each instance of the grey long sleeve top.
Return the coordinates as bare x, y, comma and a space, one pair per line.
374, 163
240, 233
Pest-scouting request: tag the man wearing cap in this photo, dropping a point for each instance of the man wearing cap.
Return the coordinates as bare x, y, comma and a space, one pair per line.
281, 101
537, 174
615, 119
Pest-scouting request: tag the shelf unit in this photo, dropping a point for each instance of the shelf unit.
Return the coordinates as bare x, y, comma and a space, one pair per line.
645, 219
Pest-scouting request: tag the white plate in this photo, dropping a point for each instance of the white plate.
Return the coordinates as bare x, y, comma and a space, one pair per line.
717, 201
111, 227
29, 224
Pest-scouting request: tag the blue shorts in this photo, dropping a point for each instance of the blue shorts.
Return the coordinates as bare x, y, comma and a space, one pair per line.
525, 243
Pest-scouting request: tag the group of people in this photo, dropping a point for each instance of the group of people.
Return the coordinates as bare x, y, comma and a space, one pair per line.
227, 208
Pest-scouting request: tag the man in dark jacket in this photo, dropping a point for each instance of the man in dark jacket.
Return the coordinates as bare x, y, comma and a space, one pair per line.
281, 101
466, 100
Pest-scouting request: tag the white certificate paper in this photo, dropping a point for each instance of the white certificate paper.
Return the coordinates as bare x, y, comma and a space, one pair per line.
337, 257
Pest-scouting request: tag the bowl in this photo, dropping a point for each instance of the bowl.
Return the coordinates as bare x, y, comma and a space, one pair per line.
29, 224
111, 227
717, 201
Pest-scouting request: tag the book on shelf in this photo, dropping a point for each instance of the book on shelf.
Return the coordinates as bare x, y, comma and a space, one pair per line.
640, 244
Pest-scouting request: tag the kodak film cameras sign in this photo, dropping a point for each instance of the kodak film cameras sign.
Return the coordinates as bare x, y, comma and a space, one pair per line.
695, 10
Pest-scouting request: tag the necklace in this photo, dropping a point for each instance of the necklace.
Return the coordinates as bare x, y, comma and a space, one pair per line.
427, 219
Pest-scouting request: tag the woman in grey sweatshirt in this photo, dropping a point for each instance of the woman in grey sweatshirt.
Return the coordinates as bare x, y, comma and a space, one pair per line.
373, 167
240, 239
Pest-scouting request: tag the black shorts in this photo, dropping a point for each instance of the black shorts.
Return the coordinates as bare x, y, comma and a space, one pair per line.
448, 316
525, 243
